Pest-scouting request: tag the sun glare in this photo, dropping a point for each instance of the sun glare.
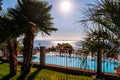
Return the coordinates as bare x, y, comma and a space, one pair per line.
65, 5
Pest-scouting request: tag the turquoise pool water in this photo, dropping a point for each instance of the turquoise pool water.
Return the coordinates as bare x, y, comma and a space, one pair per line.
77, 62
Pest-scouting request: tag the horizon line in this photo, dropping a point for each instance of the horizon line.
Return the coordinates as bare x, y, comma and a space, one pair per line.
57, 40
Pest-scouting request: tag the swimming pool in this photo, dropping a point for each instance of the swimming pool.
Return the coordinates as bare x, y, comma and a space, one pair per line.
77, 62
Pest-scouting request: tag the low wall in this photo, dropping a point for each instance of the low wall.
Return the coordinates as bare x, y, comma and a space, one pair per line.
75, 71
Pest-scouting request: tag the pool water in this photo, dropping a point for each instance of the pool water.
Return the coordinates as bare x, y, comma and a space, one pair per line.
77, 62
21, 57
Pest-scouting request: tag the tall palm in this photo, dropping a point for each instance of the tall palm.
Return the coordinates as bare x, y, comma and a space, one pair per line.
105, 13
8, 35
12, 48
34, 16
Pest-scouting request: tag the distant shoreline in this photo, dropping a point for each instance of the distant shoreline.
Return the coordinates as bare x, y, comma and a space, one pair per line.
56, 40
50, 43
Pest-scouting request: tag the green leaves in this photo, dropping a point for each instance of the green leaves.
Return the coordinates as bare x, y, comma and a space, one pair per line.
100, 38
103, 19
64, 46
8, 29
104, 12
35, 11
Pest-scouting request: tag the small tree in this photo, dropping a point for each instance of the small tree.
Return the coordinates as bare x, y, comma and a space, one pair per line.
64, 46
33, 16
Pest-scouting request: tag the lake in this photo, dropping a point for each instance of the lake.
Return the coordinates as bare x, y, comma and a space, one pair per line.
50, 43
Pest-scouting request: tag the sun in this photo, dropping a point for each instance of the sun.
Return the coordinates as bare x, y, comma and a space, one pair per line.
65, 6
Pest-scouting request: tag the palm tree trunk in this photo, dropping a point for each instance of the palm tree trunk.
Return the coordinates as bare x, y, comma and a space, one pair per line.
27, 50
99, 64
12, 47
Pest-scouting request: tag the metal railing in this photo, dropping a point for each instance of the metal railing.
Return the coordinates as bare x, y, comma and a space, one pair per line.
75, 61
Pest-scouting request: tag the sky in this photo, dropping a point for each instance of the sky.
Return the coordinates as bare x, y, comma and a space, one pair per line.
66, 17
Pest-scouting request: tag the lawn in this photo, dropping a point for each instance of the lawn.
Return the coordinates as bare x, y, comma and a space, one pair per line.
40, 74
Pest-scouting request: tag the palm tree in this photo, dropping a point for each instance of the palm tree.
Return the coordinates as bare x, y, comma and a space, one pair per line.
105, 13
8, 35
12, 47
0, 4
102, 42
34, 16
